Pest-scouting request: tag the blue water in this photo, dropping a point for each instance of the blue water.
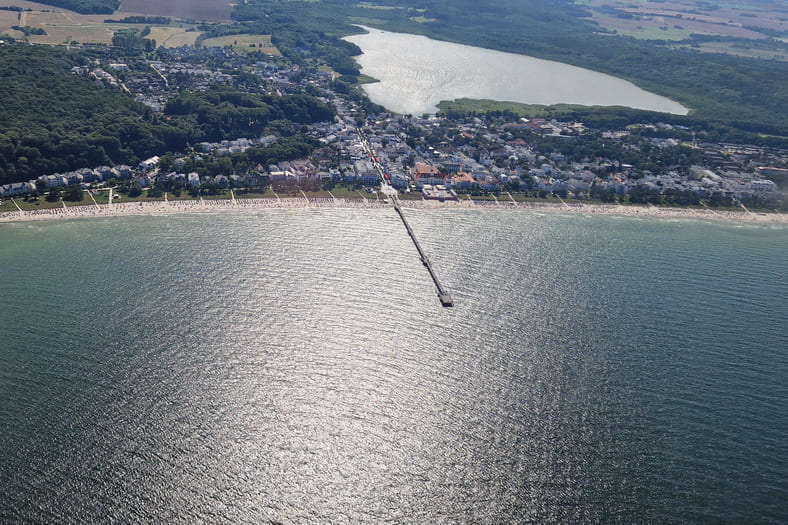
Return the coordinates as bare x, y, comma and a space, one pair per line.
296, 366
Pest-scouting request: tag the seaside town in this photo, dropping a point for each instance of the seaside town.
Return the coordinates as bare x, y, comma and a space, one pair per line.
442, 158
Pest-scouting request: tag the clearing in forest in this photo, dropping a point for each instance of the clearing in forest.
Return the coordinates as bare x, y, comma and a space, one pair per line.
244, 43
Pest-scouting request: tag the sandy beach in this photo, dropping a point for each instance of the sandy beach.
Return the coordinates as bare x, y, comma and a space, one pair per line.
197, 206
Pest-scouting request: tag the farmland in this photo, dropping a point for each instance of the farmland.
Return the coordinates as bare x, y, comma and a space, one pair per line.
736, 28
214, 10
63, 26
8, 19
173, 36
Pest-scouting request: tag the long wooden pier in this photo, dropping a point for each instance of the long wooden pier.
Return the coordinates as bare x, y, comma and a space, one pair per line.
443, 295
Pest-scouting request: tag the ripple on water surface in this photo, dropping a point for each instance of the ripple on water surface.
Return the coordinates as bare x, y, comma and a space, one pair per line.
296, 366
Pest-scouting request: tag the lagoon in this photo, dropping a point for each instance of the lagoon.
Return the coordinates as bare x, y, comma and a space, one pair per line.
416, 73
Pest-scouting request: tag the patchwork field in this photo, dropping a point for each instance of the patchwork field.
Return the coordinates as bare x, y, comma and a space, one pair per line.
724, 18
63, 26
216, 10
244, 43
673, 20
658, 27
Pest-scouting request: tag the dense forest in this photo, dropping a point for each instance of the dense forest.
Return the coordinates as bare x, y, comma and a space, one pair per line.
748, 94
223, 112
53, 121
87, 7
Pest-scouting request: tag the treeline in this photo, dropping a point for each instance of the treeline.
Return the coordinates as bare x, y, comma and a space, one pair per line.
27, 30
134, 39
87, 7
68, 122
138, 19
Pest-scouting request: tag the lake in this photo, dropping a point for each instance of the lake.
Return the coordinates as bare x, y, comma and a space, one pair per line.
295, 366
416, 72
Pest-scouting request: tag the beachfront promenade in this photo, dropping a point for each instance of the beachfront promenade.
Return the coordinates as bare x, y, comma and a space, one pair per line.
117, 209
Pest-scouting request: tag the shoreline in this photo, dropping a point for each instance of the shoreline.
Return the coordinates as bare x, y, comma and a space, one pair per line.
159, 208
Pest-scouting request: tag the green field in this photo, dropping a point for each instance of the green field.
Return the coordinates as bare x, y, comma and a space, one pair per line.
173, 36
244, 43
490, 106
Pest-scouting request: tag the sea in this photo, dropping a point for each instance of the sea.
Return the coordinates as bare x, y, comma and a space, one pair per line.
296, 366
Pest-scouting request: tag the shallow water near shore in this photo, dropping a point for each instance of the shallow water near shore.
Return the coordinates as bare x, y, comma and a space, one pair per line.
295, 365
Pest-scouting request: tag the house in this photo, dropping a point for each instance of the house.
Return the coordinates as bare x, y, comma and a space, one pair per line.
149, 164
463, 181
491, 184
439, 192
424, 173
54, 181
17, 188
366, 173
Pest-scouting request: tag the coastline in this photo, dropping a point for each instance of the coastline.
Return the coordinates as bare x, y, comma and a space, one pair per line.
157, 208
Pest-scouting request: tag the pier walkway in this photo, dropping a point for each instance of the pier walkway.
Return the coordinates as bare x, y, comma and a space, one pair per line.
443, 295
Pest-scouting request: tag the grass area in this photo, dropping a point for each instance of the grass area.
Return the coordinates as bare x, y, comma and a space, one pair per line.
671, 34
63, 28
38, 204
412, 196
365, 21
345, 192
321, 194
173, 36
366, 79
101, 197
422, 20
243, 43
369, 5
525, 110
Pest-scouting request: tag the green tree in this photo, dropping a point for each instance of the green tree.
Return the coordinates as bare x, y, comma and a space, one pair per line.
135, 190
74, 193
54, 195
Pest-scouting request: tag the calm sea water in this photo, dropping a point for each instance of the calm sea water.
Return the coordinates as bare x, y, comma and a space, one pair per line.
416, 73
296, 366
